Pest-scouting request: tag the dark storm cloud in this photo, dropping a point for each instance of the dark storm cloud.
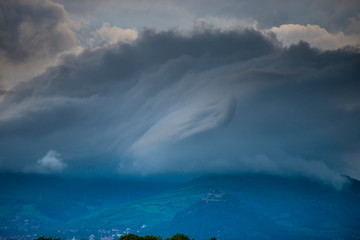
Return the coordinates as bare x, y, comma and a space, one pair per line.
33, 29
209, 101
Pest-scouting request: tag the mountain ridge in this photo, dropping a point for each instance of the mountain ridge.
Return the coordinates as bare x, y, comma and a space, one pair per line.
299, 205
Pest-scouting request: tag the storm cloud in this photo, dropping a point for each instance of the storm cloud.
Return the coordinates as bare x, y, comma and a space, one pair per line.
32, 35
203, 101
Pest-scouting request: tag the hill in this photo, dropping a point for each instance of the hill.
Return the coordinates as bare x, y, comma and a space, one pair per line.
39, 204
223, 215
253, 206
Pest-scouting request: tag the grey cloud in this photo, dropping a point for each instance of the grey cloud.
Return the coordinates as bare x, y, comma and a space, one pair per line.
33, 28
100, 67
33, 35
203, 102
334, 15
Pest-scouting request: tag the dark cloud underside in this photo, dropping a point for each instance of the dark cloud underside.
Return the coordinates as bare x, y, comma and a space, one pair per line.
206, 102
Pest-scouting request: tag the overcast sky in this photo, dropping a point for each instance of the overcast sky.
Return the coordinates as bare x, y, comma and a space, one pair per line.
180, 87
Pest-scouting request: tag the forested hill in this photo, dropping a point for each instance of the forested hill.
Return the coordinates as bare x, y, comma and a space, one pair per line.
253, 206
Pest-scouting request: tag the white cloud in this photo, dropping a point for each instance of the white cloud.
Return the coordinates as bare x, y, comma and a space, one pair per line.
51, 162
315, 35
115, 34
185, 122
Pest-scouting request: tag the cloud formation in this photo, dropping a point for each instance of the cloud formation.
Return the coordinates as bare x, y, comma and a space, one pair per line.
205, 101
316, 36
333, 15
32, 34
185, 122
50, 163
114, 34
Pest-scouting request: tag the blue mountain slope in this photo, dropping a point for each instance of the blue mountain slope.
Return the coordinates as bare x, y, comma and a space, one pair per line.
225, 217
40, 204
250, 206
255, 207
